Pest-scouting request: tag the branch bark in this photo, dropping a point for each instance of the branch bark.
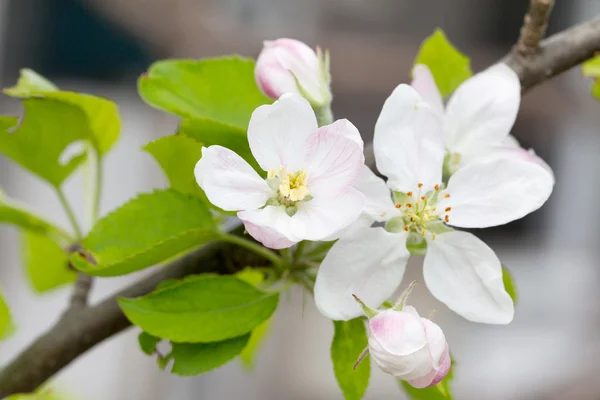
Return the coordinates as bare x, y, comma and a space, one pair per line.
81, 328
534, 26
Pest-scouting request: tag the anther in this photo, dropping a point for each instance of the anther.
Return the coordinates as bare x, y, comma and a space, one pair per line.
406, 227
433, 236
409, 194
420, 185
409, 205
446, 195
437, 187
446, 219
398, 205
422, 197
423, 232
448, 209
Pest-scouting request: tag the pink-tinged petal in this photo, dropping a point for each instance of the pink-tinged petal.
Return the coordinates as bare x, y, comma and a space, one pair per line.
464, 273
279, 133
482, 111
229, 182
495, 192
271, 217
408, 141
367, 262
519, 153
268, 237
424, 83
445, 365
334, 162
274, 80
342, 127
436, 341
319, 218
379, 206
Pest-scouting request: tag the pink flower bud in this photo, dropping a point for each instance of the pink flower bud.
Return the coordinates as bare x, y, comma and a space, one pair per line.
288, 65
409, 347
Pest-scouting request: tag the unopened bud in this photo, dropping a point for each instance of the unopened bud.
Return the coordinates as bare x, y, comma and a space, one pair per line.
288, 65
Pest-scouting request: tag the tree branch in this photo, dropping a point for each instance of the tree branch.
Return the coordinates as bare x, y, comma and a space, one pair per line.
79, 329
81, 290
534, 26
556, 54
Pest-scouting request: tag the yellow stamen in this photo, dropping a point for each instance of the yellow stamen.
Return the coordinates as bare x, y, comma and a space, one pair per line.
448, 209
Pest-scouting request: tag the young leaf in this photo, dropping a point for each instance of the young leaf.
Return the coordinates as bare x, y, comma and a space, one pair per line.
148, 343
449, 66
591, 69
222, 89
177, 155
6, 325
15, 214
349, 340
145, 231
509, 284
46, 263
48, 127
102, 114
201, 309
197, 358
210, 132
441, 391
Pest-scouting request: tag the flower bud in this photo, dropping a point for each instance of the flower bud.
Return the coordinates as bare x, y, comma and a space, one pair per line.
409, 347
288, 65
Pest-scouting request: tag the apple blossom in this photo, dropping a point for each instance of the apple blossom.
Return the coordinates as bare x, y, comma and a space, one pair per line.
405, 345
479, 115
308, 193
459, 269
290, 66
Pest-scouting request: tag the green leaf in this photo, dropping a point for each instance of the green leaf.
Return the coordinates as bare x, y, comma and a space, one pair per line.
201, 309
209, 132
222, 89
257, 338
509, 284
441, 391
43, 395
449, 66
30, 82
46, 263
596, 89
104, 123
198, 358
177, 155
46, 130
146, 231
15, 214
349, 340
148, 343
591, 68
6, 324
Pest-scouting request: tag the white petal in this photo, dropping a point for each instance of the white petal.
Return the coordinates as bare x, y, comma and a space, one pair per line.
408, 141
424, 83
342, 127
319, 218
496, 192
272, 217
519, 153
436, 340
367, 262
268, 237
334, 163
278, 133
229, 182
482, 110
379, 206
464, 273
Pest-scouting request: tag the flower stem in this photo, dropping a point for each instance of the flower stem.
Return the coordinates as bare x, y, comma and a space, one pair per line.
69, 212
256, 248
324, 115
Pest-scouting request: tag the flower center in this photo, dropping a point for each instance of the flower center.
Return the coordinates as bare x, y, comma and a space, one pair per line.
418, 213
291, 188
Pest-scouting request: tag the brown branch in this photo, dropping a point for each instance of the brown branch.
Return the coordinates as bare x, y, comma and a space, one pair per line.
81, 328
81, 290
556, 54
534, 26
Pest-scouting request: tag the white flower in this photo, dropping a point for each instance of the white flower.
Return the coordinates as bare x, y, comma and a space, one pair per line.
288, 65
409, 347
459, 269
479, 115
308, 193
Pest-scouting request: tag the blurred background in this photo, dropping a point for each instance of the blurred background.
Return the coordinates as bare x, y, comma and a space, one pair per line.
550, 351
